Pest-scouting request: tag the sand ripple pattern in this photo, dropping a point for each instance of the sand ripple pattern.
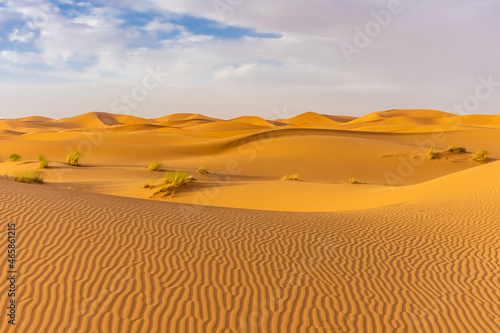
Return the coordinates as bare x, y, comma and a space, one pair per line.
96, 263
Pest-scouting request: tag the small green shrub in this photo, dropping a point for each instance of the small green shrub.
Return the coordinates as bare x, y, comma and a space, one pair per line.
456, 149
29, 177
176, 178
166, 189
290, 177
155, 166
431, 154
353, 181
173, 180
149, 183
43, 164
203, 171
41, 158
480, 157
14, 158
74, 158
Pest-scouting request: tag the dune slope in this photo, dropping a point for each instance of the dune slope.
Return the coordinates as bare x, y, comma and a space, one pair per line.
417, 254
96, 263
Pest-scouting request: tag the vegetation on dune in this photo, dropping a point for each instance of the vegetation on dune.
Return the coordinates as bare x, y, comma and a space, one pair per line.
290, 177
41, 158
149, 184
176, 178
202, 171
480, 156
431, 154
43, 164
353, 181
173, 180
29, 177
455, 149
14, 158
74, 158
155, 166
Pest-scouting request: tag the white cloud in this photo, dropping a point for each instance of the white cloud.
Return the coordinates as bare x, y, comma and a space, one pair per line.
156, 25
19, 58
22, 36
428, 56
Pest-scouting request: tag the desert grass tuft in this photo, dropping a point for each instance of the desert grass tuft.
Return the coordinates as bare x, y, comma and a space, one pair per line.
74, 158
149, 184
29, 177
290, 177
14, 158
165, 189
480, 156
41, 158
203, 171
353, 181
176, 178
431, 154
173, 180
155, 166
455, 149
43, 164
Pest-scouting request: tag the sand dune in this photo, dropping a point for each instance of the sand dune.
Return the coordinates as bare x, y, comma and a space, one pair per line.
107, 264
136, 127
9, 132
387, 121
311, 118
413, 247
92, 120
340, 119
227, 126
37, 119
252, 120
185, 116
14, 124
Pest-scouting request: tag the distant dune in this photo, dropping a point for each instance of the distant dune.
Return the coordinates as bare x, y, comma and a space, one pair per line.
380, 227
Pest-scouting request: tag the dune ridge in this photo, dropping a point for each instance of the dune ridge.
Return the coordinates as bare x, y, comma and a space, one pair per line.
344, 248
391, 121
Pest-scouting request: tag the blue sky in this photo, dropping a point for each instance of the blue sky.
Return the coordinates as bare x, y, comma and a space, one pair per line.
231, 58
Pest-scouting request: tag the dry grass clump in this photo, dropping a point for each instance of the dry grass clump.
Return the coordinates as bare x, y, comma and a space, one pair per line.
203, 171
155, 166
431, 154
43, 164
74, 158
173, 180
353, 181
480, 156
149, 184
456, 149
176, 178
290, 177
41, 158
14, 158
29, 177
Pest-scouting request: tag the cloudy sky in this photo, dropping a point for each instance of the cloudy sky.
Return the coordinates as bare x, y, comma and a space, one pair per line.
226, 58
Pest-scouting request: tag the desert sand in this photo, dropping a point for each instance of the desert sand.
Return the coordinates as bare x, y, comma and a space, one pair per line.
413, 246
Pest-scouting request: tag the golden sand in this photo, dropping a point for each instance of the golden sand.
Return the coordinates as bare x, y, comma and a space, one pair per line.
413, 247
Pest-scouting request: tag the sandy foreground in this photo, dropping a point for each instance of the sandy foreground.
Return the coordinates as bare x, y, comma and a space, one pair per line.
413, 247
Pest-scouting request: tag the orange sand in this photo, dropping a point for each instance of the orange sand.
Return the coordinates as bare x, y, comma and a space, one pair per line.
412, 248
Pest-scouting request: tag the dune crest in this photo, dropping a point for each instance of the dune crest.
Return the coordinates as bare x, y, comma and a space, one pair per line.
311, 118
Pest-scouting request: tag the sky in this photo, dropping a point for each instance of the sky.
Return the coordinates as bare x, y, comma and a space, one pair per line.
228, 58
